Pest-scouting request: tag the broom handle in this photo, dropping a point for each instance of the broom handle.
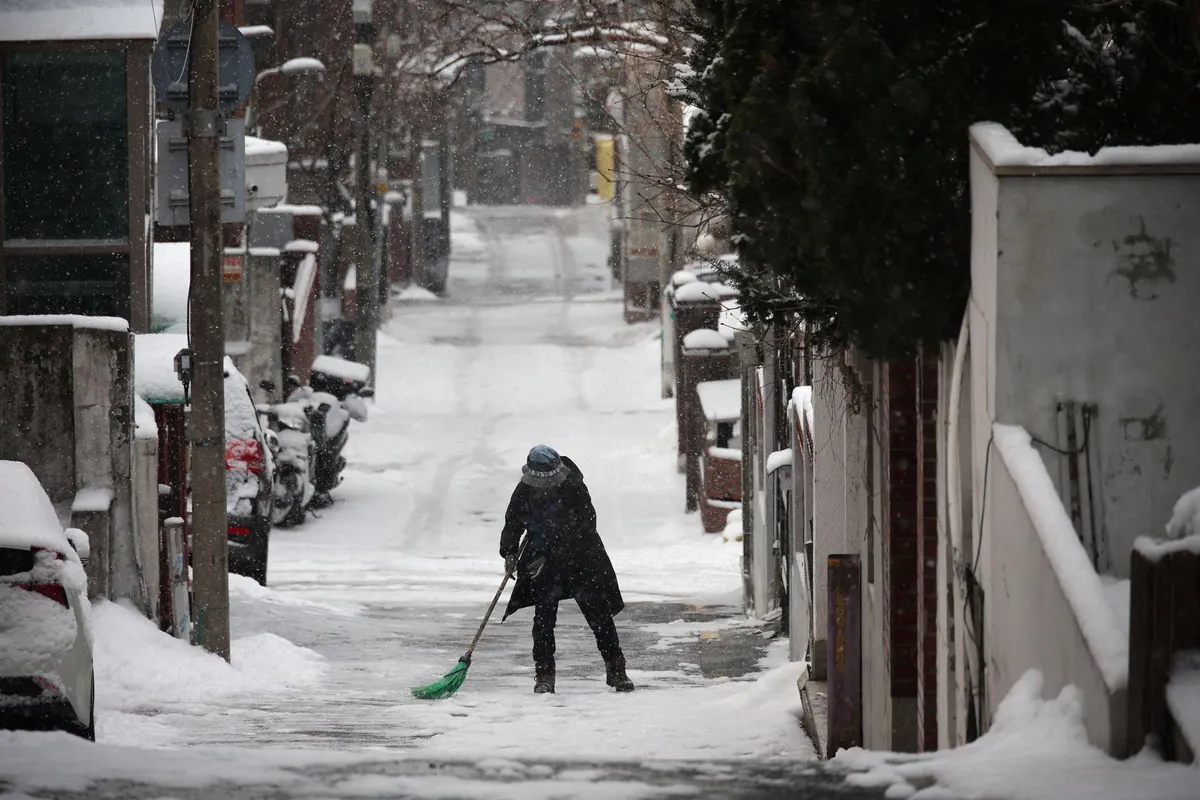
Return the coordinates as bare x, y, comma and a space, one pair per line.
492, 607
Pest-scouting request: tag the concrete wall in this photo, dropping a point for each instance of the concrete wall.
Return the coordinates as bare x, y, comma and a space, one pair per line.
1030, 623
1095, 301
145, 512
39, 429
72, 422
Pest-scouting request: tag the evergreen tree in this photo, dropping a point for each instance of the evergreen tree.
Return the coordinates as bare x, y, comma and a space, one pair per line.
837, 133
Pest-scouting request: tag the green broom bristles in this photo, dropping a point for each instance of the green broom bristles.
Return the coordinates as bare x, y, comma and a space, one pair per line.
450, 683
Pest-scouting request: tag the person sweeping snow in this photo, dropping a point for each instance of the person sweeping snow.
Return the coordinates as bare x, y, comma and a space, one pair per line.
563, 558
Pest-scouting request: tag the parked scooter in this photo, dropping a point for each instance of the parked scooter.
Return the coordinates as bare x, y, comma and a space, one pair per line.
291, 443
334, 397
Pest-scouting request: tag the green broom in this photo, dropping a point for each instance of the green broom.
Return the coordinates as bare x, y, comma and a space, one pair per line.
453, 680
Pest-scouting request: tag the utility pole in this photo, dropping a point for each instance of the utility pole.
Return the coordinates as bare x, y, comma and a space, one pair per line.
366, 292
206, 424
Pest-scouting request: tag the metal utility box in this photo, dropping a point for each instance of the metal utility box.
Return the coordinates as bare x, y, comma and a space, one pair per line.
171, 174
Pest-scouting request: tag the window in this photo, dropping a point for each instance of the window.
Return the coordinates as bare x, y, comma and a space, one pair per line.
65, 153
96, 284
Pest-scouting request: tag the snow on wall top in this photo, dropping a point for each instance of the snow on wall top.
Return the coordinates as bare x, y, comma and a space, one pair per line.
154, 378
1108, 643
341, 368
93, 499
145, 424
802, 399
301, 246
75, 20
721, 401
680, 277
705, 339
1003, 150
696, 292
780, 458
27, 518
259, 151
74, 320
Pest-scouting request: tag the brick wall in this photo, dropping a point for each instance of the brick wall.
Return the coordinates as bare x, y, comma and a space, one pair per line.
898, 440
927, 398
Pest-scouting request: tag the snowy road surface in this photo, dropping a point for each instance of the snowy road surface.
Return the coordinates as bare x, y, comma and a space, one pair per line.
383, 591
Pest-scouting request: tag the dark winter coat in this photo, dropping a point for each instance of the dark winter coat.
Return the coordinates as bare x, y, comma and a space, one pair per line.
561, 526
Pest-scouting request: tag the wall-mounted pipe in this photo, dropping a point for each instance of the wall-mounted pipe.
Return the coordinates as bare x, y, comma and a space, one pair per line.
951, 542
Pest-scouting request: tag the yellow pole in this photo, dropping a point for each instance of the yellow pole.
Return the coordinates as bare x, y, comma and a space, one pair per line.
604, 168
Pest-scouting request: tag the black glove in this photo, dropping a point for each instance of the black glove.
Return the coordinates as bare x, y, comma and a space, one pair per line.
510, 564
535, 567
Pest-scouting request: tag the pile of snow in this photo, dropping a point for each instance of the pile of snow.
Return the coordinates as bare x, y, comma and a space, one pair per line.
1036, 749
92, 499
415, 294
249, 591
140, 667
721, 401
1185, 518
733, 526
704, 338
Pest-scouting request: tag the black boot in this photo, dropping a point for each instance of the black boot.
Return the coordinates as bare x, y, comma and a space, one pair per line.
545, 679
616, 676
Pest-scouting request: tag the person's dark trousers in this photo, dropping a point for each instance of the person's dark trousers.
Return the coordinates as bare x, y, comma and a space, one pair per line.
545, 615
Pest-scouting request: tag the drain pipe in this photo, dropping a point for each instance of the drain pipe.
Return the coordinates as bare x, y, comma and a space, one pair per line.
950, 548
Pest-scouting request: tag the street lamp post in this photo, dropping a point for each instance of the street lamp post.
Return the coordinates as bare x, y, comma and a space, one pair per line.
366, 278
293, 66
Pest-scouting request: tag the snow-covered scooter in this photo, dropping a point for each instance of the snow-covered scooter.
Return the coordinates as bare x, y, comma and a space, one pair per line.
291, 443
334, 396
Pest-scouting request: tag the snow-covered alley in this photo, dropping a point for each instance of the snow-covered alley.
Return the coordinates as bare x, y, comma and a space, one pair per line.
383, 591
387, 586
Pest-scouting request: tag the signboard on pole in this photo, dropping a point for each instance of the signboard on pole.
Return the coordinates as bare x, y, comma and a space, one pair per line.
232, 267
235, 61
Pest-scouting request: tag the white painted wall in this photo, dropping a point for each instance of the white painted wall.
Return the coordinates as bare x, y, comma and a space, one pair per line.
829, 492
1082, 290
1073, 320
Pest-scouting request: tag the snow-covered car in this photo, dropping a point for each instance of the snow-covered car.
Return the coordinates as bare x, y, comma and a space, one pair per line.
46, 676
248, 480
